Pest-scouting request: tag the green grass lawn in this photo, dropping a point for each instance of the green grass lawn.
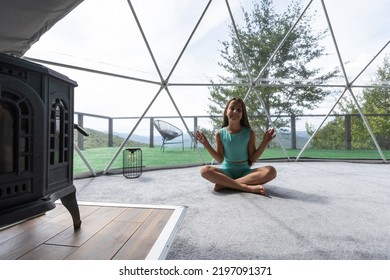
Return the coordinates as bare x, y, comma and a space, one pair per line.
99, 158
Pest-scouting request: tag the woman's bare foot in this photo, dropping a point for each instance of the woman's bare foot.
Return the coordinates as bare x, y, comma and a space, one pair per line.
218, 187
259, 189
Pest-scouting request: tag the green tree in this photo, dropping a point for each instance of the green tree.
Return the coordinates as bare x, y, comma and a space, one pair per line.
374, 101
330, 137
262, 32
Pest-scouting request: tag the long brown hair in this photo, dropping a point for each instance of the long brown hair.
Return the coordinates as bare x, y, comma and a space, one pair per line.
244, 120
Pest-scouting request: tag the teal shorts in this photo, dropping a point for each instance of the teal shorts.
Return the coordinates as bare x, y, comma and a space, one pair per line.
236, 170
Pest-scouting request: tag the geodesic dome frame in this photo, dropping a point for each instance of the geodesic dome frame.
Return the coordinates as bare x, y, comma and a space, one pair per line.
29, 28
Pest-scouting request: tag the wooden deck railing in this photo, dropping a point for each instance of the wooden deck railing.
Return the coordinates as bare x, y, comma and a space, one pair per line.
195, 120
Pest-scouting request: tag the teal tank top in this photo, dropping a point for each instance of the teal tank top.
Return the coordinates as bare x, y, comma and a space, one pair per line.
235, 146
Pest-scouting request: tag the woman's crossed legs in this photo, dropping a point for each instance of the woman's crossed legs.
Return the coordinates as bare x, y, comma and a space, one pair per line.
252, 182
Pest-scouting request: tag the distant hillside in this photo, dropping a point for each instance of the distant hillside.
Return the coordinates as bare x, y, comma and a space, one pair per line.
157, 139
301, 138
97, 139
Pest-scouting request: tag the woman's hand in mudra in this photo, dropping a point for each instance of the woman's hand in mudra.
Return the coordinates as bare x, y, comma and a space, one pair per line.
201, 137
269, 135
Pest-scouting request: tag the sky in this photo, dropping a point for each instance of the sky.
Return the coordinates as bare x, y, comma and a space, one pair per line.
104, 35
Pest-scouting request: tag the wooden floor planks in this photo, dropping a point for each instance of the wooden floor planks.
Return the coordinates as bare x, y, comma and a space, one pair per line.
107, 232
142, 241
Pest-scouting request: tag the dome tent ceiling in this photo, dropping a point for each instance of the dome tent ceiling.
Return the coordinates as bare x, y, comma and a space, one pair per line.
44, 19
23, 22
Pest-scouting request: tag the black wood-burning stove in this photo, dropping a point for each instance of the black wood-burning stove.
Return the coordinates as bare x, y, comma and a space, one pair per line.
36, 141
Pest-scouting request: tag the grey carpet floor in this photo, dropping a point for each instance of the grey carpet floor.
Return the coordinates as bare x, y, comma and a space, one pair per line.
314, 211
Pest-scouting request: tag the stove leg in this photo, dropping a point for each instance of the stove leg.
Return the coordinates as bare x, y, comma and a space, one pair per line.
70, 202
